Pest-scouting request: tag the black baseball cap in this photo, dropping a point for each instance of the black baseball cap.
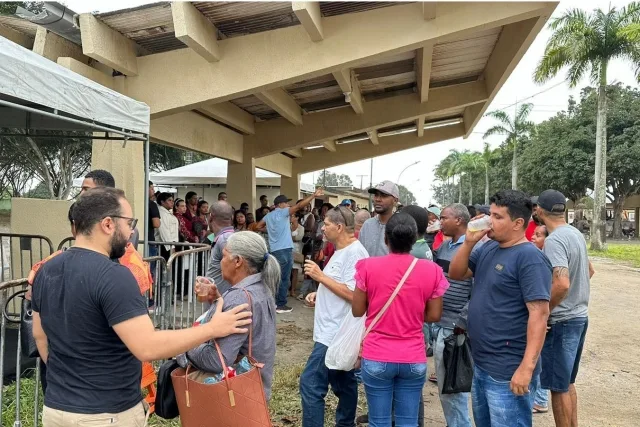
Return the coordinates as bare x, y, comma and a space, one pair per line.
550, 201
534, 200
281, 199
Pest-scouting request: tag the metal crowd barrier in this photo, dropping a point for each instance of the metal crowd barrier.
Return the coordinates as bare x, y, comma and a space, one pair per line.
176, 303
176, 307
10, 337
18, 252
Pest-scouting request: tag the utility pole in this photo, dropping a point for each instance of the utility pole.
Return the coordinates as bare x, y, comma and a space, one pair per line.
371, 185
361, 177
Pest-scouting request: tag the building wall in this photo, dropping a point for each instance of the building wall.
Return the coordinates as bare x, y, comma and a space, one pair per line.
37, 216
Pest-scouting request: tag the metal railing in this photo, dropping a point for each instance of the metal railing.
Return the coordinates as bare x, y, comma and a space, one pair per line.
18, 252
23, 368
176, 307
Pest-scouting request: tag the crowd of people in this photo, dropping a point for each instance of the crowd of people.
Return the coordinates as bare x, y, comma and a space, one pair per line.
517, 288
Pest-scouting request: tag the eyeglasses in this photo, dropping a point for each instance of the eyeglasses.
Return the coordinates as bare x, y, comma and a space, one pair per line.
131, 221
346, 222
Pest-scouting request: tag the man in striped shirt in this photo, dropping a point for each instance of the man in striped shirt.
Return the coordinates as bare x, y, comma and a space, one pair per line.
453, 221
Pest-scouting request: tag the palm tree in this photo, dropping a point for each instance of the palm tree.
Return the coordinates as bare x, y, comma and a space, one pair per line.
471, 162
515, 130
485, 157
586, 43
456, 164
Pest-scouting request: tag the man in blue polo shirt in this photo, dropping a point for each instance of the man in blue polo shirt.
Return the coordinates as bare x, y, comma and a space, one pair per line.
280, 241
508, 312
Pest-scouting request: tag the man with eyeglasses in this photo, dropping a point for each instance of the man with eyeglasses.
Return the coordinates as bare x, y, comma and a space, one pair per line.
91, 325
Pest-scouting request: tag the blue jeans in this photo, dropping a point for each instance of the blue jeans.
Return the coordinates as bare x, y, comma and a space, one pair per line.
495, 405
285, 259
393, 385
314, 385
561, 354
455, 406
542, 397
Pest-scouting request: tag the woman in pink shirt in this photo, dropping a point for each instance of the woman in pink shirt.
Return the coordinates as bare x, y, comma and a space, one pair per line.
394, 361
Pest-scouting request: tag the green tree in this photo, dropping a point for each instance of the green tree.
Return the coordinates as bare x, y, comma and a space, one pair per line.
406, 196
586, 43
471, 163
162, 157
485, 157
331, 179
515, 130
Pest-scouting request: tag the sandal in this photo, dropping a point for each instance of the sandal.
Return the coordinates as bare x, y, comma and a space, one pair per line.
540, 409
433, 378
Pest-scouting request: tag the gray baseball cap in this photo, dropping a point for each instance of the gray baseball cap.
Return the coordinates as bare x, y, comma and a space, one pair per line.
386, 187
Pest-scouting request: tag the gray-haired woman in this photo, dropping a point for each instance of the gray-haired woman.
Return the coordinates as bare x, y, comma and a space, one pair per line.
246, 265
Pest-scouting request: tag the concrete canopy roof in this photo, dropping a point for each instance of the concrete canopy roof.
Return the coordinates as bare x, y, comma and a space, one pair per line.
266, 81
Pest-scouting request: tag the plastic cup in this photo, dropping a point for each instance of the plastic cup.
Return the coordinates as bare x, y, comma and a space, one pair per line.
204, 286
480, 224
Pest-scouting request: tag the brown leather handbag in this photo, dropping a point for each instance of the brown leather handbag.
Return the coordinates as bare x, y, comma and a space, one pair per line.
235, 402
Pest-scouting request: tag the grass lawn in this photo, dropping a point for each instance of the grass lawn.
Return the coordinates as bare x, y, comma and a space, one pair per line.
621, 252
284, 405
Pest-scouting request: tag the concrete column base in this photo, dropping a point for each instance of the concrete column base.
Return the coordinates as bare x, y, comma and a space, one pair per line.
241, 184
290, 186
127, 167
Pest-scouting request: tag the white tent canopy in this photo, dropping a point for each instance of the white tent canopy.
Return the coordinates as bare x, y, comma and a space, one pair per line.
31, 80
209, 172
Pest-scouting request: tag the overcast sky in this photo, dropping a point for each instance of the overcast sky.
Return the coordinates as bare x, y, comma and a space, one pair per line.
519, 87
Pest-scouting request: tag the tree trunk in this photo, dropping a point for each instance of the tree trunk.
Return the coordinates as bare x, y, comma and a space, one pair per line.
42, 166
486, 185
598, 226
618, 205
514, 166
460, 187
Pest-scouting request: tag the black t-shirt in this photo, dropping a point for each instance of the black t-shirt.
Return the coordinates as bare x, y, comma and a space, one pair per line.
154, 212
80, 295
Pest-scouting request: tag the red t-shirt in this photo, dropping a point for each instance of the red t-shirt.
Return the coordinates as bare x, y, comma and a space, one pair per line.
531, 229
437, 241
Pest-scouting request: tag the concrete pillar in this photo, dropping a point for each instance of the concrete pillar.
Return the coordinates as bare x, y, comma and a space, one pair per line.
127, 167
290, 187
241, 183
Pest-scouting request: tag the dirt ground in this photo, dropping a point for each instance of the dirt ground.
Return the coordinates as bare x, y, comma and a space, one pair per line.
609, 378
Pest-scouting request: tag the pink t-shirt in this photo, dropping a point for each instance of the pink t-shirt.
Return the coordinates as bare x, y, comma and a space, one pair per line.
398, 336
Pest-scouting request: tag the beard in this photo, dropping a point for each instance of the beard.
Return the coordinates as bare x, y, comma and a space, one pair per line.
118, 245
537, 219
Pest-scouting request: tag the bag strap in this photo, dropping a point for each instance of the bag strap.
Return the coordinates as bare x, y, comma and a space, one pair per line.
391, 298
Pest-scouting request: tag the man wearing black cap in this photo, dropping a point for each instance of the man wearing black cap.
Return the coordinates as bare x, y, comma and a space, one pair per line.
567, 251
535, 221
281, 243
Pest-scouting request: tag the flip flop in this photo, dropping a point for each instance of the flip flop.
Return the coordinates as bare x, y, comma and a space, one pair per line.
433, 378
540, 409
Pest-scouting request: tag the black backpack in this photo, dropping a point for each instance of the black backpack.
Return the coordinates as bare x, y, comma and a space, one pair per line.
166, 405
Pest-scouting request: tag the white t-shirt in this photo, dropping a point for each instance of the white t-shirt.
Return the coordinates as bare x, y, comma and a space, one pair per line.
330, 308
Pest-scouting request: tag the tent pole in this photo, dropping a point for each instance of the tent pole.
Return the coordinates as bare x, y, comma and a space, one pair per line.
146, 197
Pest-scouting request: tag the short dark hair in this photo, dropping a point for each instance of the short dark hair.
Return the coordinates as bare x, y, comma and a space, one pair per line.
190, 194
472, 211
70, 214
264, 196
202, 202
163, 197
150, 183
102, 178
93, 206
244, 204
401, 232
517, 203
420, 216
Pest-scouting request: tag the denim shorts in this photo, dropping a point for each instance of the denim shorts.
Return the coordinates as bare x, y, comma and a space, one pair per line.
561, 354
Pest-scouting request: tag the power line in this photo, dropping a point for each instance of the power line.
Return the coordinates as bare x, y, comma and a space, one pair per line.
532, 96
